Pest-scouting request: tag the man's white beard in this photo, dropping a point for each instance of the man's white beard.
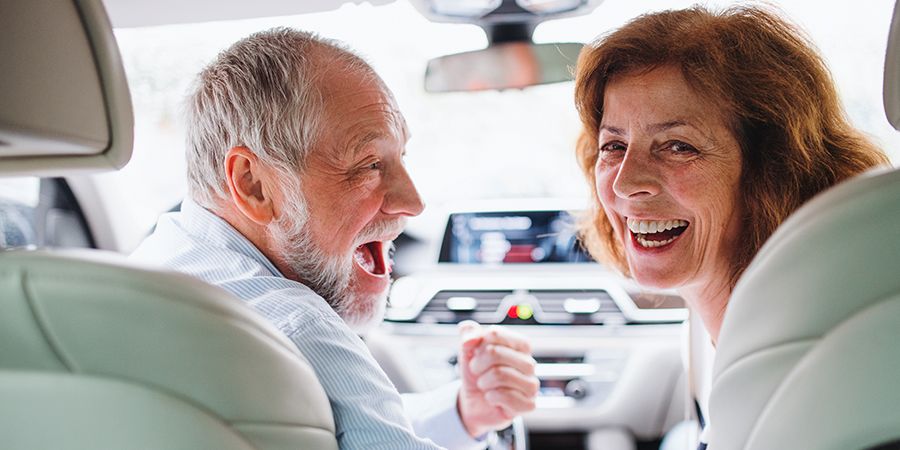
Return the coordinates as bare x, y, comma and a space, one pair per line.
329, 276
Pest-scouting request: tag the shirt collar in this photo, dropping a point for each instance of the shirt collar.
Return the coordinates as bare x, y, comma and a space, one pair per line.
215, 230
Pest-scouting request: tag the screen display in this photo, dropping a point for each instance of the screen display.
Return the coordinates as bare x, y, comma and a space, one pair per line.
511, 238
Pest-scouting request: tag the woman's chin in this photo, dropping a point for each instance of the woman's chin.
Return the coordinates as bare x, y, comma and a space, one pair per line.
659, 266
652, 280
656, 274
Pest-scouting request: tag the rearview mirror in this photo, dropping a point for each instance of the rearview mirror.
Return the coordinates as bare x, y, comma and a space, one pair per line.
510, 65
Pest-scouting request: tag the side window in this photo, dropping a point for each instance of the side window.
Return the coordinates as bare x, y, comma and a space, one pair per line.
41, 212
19, 199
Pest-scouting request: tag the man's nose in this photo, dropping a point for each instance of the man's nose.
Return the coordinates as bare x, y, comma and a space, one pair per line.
637, 176
402, 197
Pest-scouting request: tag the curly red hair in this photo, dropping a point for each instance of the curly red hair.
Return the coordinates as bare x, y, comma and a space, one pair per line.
775, 90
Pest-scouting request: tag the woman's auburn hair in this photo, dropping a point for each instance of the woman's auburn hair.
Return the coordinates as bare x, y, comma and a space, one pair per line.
774, 90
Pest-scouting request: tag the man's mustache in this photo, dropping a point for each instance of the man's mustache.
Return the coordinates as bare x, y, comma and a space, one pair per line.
380, 231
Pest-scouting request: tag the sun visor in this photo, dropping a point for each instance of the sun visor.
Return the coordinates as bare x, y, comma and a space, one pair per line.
892, 72
64, 101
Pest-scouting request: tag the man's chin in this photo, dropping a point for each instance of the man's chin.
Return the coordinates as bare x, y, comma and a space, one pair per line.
361, 324
365, 313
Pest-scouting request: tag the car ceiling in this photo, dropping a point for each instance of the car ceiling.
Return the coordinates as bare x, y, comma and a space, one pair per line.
140, 13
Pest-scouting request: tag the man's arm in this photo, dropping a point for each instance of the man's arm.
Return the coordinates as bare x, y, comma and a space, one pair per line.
367, 409
434, 414
497, 384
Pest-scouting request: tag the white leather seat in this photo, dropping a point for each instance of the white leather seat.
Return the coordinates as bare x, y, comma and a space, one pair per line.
96, 353
809, 352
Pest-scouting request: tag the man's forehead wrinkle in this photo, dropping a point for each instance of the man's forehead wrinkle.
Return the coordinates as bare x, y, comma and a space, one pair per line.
353, 137
358, 141
359, 109
379, 122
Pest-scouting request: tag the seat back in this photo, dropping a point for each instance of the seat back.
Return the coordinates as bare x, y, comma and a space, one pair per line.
809, 352
97, 353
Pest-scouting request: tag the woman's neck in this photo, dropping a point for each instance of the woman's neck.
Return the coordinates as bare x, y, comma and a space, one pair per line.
709, 302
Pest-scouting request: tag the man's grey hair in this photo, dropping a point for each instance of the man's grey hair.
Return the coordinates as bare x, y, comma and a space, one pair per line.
263, 93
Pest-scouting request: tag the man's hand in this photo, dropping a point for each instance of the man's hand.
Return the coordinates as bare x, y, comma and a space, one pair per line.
498, 381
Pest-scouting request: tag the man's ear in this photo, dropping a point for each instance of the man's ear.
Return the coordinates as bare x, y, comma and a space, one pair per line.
249, 184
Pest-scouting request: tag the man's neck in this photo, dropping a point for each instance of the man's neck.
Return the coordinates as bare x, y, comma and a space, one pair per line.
257, 235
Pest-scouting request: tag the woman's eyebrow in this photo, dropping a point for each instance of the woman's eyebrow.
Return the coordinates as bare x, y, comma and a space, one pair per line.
613, 130
654, 128
665, 126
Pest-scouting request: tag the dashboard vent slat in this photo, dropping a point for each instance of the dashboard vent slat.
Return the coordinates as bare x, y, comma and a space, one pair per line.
553, 307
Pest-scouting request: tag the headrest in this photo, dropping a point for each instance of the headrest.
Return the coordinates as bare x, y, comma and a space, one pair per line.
64, 101
892, 72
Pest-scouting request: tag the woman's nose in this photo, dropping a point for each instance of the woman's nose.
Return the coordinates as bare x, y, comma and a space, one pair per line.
637, 176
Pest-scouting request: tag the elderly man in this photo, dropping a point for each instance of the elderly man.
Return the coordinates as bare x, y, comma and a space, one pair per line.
296, 189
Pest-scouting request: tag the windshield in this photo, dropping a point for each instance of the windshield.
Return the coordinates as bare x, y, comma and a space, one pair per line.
464, 146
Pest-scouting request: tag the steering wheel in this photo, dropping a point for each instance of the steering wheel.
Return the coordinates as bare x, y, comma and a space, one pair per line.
513, 437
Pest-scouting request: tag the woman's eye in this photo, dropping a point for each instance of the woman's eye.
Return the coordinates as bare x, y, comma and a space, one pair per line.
374, 166
681, 148
613, 146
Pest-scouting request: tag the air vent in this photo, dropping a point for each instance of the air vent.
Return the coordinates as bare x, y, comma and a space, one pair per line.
455, 306
541, 307
580, 307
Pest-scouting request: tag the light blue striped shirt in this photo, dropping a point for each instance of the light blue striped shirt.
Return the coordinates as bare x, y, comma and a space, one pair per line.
368, 411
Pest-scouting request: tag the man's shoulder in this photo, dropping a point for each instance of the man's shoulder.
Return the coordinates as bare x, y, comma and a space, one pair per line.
290, 305
198, 244
228, 261
174, 244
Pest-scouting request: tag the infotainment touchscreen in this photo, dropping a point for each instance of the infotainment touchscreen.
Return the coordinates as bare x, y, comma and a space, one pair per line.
512, 237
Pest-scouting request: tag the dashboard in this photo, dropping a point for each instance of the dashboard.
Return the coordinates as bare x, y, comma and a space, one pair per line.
608, 352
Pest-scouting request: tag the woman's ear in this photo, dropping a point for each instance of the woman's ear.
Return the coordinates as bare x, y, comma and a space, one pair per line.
249, 184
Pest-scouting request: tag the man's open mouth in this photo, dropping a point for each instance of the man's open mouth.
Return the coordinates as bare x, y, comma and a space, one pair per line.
656, 233
372, 258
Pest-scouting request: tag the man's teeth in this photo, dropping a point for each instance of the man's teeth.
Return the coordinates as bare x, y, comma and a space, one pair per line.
654, 226
365, 258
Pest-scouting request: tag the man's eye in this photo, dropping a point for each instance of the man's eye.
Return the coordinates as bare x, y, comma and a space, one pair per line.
374, 166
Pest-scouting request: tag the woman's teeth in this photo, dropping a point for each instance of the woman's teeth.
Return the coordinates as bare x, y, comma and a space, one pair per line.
656, 233
654, 226
651, 244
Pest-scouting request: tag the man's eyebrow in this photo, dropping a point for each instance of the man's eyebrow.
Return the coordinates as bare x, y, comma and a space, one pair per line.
359, 142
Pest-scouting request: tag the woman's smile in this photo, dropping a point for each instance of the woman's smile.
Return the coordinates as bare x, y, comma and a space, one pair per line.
655, 233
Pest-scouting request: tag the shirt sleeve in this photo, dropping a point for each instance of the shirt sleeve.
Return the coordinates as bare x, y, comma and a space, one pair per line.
433, 414
367, 409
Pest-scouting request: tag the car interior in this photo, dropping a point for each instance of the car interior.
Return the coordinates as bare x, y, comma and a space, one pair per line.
97, 352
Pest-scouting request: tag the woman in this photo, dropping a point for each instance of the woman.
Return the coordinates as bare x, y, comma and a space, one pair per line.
702, 132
